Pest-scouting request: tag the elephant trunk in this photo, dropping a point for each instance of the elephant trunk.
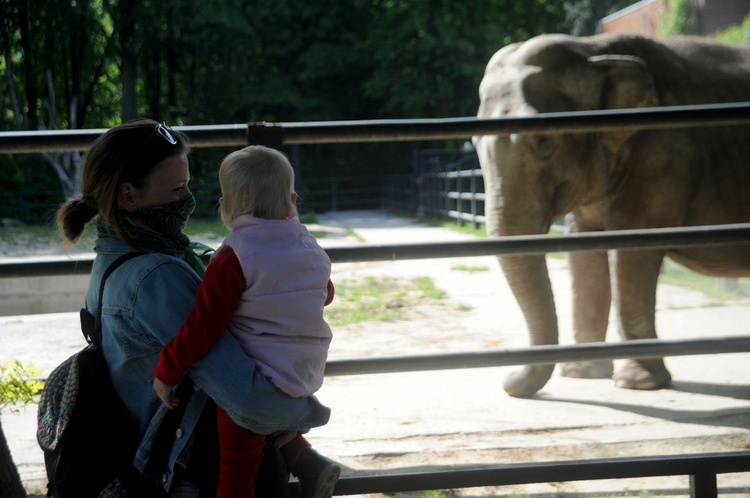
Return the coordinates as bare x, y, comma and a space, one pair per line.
528, 278
511, 210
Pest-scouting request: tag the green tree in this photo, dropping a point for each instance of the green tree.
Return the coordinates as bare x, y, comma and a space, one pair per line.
427, 56
680, 18
736, 34
56, 58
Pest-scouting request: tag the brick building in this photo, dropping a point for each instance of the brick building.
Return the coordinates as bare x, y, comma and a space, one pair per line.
644, 17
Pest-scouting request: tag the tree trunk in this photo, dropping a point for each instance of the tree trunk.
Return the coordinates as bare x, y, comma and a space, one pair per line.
10, 480
129, 60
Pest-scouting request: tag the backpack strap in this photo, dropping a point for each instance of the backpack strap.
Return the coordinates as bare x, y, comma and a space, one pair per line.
93, 334
91, 326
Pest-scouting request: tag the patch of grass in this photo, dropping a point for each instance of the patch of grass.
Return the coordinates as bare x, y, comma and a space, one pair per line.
675, 274
437, 494
470, 269
308, 218
214, 228
427, 287
515, 494
27, 235
466, 227
206, 227
352, 233
381, 299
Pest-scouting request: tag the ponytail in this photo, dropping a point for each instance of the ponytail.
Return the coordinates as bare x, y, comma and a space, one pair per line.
73, 216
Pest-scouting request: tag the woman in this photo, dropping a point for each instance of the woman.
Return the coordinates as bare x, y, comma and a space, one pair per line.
135, 181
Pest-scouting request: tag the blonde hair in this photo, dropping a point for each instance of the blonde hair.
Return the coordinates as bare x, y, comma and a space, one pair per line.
259, 181
125, 153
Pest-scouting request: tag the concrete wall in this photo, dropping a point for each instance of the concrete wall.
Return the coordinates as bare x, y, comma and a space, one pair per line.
28, 296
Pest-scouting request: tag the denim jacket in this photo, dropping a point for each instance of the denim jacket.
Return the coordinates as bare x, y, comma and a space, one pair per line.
146, 301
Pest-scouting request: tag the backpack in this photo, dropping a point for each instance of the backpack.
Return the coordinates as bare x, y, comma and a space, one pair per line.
85, 431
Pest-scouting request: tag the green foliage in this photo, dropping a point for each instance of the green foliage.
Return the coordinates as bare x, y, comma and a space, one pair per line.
58, 56
18, 383
428, 57
680, 18
739, 34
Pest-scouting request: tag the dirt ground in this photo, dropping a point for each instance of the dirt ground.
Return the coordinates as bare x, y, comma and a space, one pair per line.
419, 420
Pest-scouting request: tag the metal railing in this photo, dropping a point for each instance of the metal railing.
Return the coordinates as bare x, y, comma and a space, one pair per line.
404, 130
662, 238
701, 468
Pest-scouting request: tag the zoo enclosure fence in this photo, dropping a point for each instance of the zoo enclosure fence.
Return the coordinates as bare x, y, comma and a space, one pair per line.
702, 468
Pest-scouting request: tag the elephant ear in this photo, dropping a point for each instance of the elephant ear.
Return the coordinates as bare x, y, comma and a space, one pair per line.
627, 84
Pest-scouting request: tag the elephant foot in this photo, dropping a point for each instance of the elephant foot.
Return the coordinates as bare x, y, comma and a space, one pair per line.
598, 369
528, 380
643, 374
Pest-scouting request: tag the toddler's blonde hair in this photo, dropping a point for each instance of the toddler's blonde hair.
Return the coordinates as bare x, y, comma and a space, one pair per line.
256, 180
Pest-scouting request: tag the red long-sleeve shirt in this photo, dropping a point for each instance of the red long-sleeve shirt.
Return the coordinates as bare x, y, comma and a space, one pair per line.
215, 302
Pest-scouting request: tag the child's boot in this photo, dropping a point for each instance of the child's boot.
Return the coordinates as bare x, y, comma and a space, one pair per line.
317, 475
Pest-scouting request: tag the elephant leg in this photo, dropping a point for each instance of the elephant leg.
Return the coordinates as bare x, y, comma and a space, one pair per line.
591, 304
636, 275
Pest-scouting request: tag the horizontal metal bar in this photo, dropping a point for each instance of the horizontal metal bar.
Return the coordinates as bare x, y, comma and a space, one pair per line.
456, 477
322, 132
474, 218
545, 354
466, 196
552, 123
46, 266
654, 238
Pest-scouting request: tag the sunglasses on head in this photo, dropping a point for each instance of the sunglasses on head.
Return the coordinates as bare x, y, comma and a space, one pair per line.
165, 132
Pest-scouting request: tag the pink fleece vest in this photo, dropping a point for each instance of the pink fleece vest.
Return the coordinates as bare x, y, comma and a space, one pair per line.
279, 320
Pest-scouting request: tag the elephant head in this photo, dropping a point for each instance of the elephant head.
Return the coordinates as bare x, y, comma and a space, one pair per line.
532, 179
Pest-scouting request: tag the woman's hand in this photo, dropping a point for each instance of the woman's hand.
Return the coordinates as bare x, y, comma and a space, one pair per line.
165, 394
281, 438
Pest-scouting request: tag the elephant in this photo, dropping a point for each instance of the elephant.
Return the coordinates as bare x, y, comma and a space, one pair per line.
611, 180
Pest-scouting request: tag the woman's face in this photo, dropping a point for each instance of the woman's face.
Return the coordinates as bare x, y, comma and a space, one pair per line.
167, 182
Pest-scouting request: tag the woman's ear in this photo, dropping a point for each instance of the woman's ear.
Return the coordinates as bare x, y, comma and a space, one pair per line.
294, 197
126, 197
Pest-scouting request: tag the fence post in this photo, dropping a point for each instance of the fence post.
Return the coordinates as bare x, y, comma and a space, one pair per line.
334, 194
474, 214
22, 207
703, 485
459, 191
268, 134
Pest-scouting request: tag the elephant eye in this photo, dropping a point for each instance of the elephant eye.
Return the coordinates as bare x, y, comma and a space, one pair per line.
543, 146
